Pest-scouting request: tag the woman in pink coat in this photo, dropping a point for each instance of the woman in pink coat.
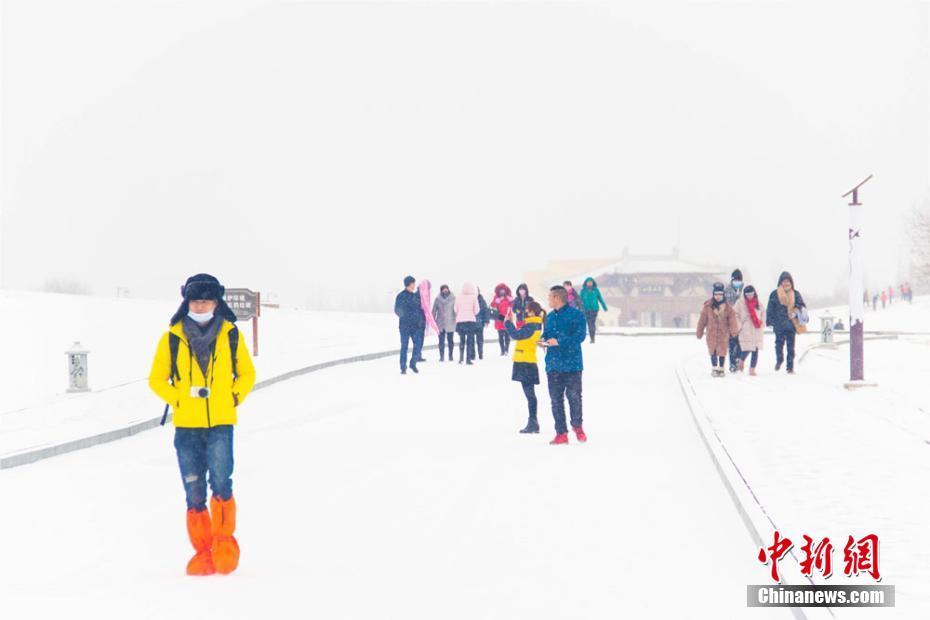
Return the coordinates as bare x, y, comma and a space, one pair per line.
466, 323
750, 314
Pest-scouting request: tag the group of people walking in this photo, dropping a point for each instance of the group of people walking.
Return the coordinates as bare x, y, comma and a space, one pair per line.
886, 297
519, 320
734, 321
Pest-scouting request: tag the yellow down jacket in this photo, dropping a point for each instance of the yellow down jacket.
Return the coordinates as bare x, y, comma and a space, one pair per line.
226, 392
525, 338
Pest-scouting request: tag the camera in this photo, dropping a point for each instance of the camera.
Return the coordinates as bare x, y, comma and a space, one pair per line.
200, 392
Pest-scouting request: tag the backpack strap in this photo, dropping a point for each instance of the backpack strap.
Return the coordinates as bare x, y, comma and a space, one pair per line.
234, 349
174, 343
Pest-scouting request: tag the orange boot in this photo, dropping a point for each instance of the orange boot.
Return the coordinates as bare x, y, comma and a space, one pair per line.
198, 529
225, 547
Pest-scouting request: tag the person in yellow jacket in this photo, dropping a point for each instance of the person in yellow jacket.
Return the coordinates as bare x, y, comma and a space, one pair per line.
204, 373
525, 370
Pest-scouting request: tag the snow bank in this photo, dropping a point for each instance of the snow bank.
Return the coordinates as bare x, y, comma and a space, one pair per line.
122, 334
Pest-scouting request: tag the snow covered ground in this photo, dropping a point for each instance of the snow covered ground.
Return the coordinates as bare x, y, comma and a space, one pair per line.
827, 461
36, 411
364, 494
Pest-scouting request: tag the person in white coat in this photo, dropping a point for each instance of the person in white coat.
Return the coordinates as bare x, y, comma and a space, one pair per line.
750, 314
466, 310
444, 314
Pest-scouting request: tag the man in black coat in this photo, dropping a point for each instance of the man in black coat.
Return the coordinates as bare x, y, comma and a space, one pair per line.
412, 323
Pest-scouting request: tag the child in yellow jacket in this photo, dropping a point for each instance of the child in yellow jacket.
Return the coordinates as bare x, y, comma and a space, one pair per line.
525, 370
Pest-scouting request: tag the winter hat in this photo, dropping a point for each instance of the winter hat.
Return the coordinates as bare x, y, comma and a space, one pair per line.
736, 275
718, 287
203, 286
409, 280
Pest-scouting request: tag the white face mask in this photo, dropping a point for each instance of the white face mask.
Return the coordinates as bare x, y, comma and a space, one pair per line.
200, 317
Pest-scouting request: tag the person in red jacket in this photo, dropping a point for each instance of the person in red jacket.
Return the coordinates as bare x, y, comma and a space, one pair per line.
500, 306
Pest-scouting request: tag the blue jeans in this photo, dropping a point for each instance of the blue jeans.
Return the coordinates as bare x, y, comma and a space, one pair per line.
406, 334
201, 450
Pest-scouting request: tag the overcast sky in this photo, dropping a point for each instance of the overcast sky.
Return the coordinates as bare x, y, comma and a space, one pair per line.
292, 146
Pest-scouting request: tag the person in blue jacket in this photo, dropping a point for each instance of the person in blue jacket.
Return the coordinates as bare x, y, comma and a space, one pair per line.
564, 331
412, 323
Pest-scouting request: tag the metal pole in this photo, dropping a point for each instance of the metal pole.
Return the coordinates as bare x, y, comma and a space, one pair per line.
258, 305
856, 310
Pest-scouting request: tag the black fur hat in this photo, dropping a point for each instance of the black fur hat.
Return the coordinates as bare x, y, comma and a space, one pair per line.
199, 287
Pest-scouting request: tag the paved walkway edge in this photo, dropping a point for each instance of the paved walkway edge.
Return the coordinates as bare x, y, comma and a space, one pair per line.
758, 522
17, 459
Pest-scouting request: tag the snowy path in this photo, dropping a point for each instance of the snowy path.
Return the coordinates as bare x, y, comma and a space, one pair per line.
353, 505
826, 461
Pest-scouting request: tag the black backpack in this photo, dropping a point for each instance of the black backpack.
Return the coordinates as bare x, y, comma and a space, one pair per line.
174, 342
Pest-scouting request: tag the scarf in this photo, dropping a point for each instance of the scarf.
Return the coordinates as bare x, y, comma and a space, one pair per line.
201, 339
752, 305
424, 305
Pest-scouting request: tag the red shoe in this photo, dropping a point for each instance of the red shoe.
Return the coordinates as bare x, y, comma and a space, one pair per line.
561, 438
198, 529
579, 434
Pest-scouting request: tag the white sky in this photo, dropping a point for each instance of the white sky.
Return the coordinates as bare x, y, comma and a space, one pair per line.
298, 146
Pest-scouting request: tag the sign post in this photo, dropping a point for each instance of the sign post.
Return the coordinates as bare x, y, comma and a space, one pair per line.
246, 305
856, 310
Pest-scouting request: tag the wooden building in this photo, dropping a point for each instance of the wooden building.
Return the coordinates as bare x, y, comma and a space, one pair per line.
646, 290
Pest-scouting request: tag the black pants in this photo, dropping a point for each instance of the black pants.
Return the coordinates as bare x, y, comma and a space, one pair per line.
735, 352
782, 339
562, 384
529, 389
406, 334
479, 340
466, 339
717, 360
591, 317
504, 339
445, 336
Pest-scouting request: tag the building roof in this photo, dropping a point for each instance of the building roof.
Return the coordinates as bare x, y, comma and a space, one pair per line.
651, 264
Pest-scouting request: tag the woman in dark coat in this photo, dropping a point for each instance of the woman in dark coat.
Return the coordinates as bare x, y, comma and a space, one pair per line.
783, 315
519, 304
